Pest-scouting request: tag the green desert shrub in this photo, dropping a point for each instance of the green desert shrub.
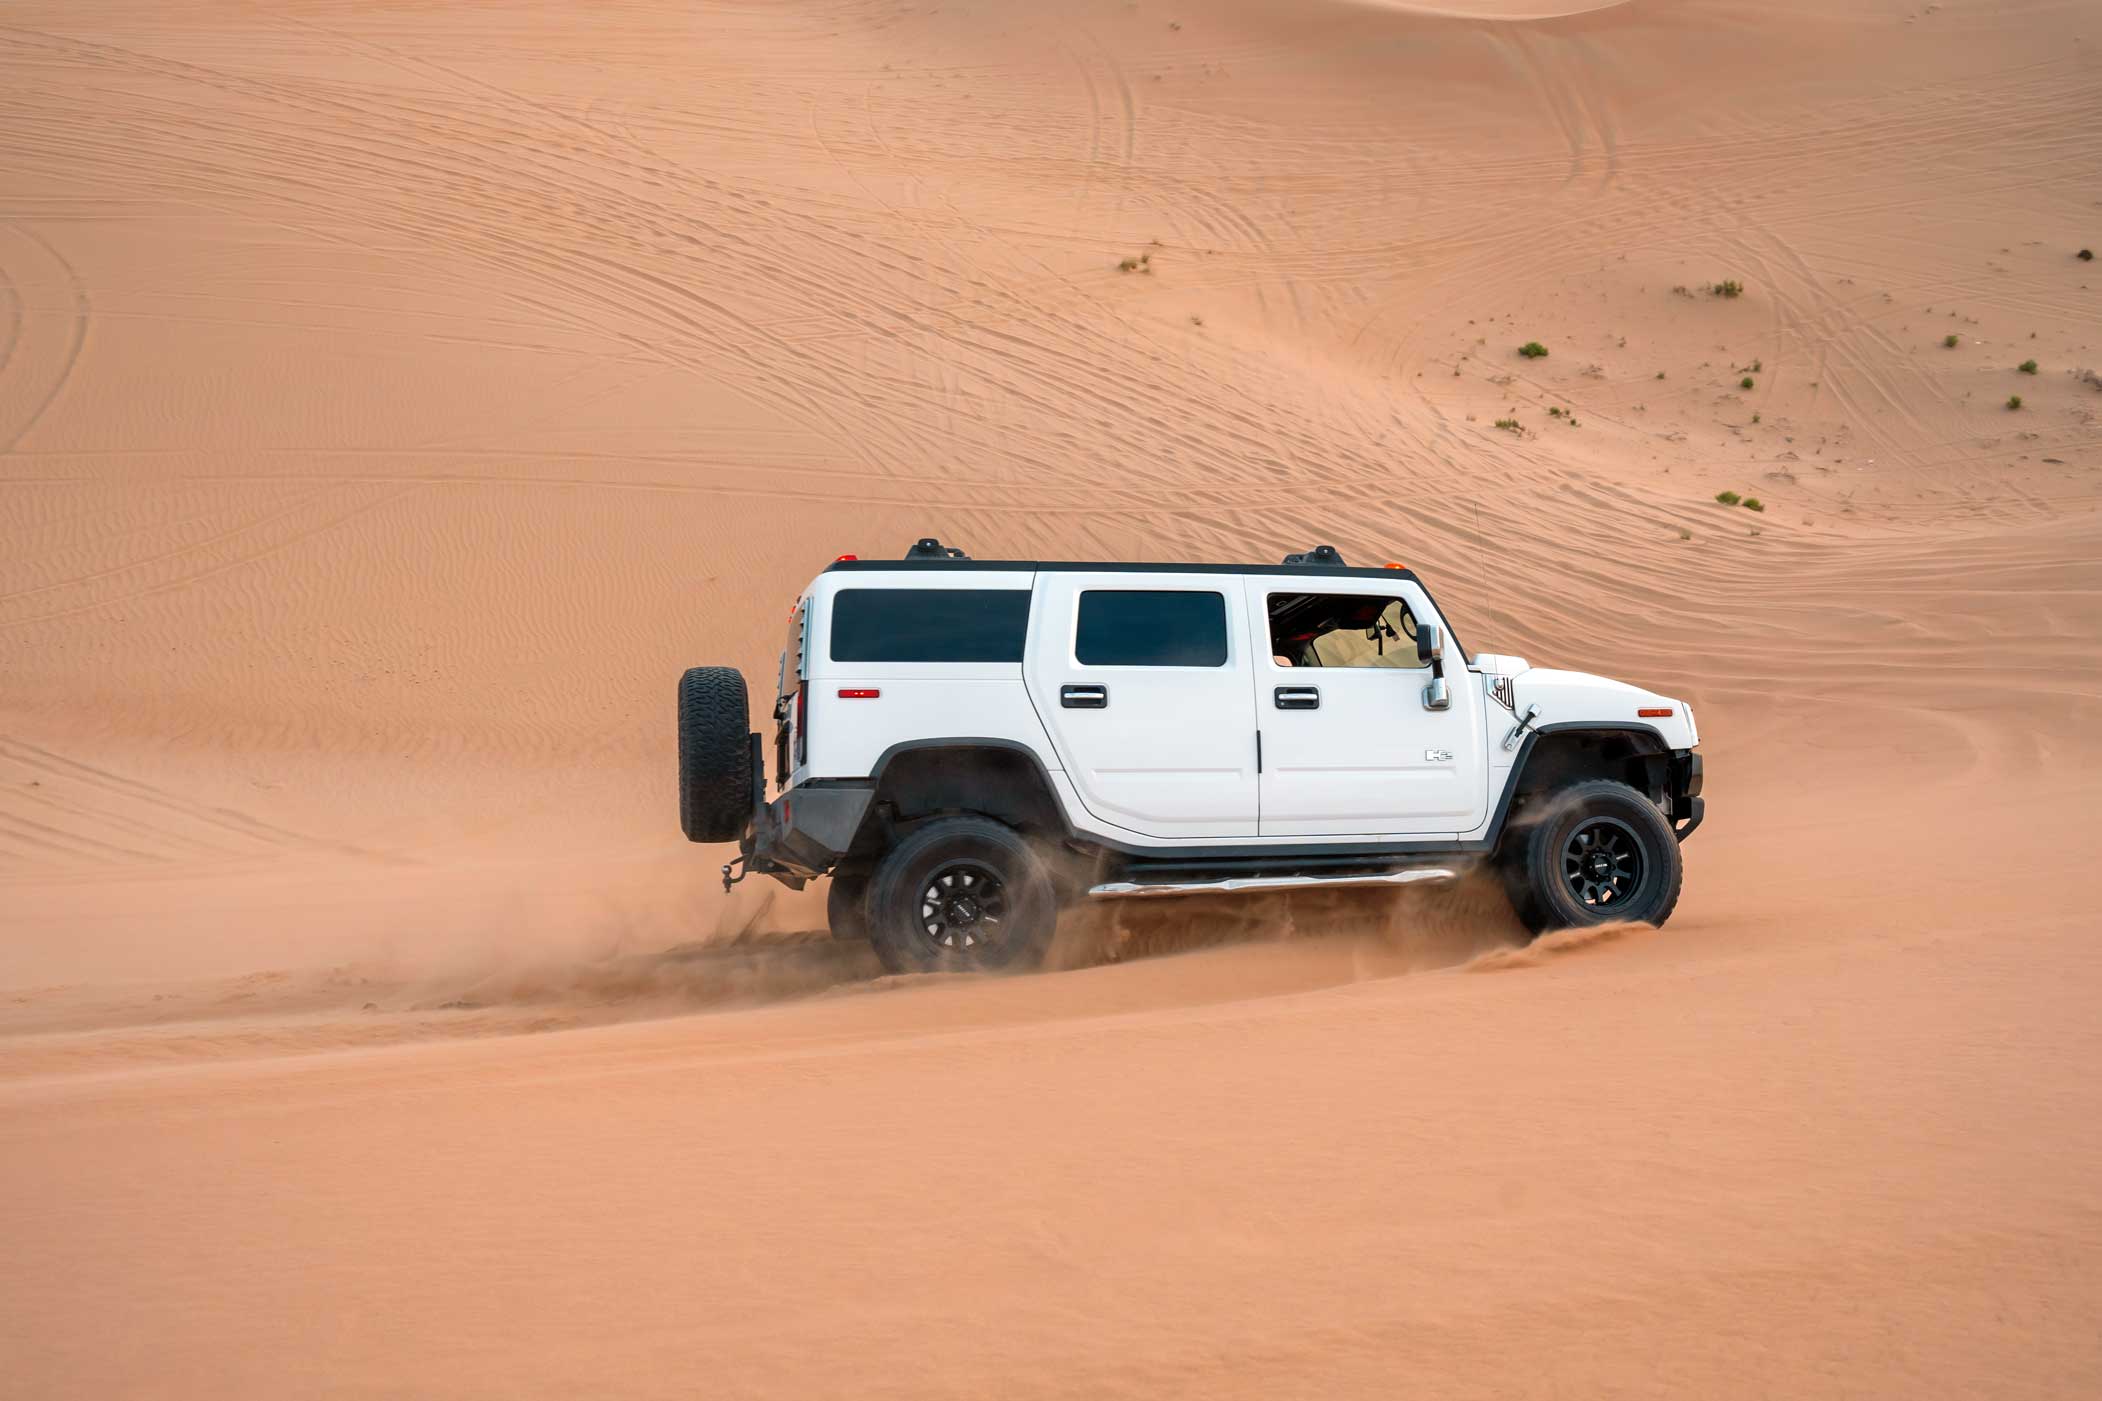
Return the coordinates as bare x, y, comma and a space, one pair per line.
1728, 498
1532, 350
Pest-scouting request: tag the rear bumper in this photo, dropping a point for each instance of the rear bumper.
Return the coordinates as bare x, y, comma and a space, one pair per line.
803, 833
1688, 808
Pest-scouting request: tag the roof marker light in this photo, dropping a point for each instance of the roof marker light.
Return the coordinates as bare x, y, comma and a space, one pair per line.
1394, 564
846, 559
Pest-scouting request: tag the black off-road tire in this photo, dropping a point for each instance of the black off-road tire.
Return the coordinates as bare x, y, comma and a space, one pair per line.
1016, 901
847, 904
1601, 852
715, 754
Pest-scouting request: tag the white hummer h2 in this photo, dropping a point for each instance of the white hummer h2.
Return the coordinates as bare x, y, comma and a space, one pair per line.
968, 746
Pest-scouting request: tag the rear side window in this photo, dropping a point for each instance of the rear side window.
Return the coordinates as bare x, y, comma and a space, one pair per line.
929, 625
1151, 627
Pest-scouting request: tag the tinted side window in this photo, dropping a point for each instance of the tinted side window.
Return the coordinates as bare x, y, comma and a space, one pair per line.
1151, 627
929, 625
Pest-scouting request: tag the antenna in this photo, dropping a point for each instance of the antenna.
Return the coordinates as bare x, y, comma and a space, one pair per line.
1479, 580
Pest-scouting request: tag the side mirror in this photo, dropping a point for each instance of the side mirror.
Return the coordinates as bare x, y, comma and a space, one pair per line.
1430, 650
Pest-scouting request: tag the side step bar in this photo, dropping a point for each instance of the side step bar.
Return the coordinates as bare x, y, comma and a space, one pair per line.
1235, 885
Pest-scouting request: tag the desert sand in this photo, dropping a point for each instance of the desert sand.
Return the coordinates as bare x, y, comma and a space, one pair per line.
395, 397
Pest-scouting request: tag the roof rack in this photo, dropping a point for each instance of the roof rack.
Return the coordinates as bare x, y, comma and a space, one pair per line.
1320, 554
930, 551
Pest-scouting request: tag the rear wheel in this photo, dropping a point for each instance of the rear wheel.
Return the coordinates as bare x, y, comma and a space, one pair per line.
846, 905
715, 754
1601, 853
961, 894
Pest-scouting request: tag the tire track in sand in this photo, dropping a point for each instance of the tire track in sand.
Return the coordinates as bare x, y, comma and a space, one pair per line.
152, 809
76, 337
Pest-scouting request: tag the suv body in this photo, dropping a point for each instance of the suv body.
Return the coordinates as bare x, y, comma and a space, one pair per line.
1168, 728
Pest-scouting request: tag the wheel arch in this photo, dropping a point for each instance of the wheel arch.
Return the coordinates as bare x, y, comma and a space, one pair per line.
1557, 756
1002, 779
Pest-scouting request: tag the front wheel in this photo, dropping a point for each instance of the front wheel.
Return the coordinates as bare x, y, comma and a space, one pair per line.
1601, 853
961, 894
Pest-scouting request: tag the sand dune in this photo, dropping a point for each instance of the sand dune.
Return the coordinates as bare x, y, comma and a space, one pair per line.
394, 399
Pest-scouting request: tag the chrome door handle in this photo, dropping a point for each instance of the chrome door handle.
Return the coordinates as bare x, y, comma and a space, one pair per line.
1297, 697
1084, 697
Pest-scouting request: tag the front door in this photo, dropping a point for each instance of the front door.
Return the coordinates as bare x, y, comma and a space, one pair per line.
1349, 747
1146, 686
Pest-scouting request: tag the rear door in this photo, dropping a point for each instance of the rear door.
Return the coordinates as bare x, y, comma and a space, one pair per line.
1145, 683
1349, 747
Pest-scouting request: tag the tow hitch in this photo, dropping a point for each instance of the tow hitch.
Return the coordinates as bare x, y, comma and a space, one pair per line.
730, 880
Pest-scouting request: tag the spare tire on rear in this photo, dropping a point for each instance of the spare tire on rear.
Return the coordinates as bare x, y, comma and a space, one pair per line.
715, 754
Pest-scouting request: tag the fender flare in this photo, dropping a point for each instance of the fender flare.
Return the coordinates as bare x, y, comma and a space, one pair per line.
1041, 803
1650, 742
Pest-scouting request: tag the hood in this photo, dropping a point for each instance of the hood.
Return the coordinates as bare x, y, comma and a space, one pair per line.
1578, 697
1546, 677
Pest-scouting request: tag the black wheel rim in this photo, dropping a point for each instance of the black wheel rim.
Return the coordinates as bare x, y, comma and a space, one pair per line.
1604, 864
963, 906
